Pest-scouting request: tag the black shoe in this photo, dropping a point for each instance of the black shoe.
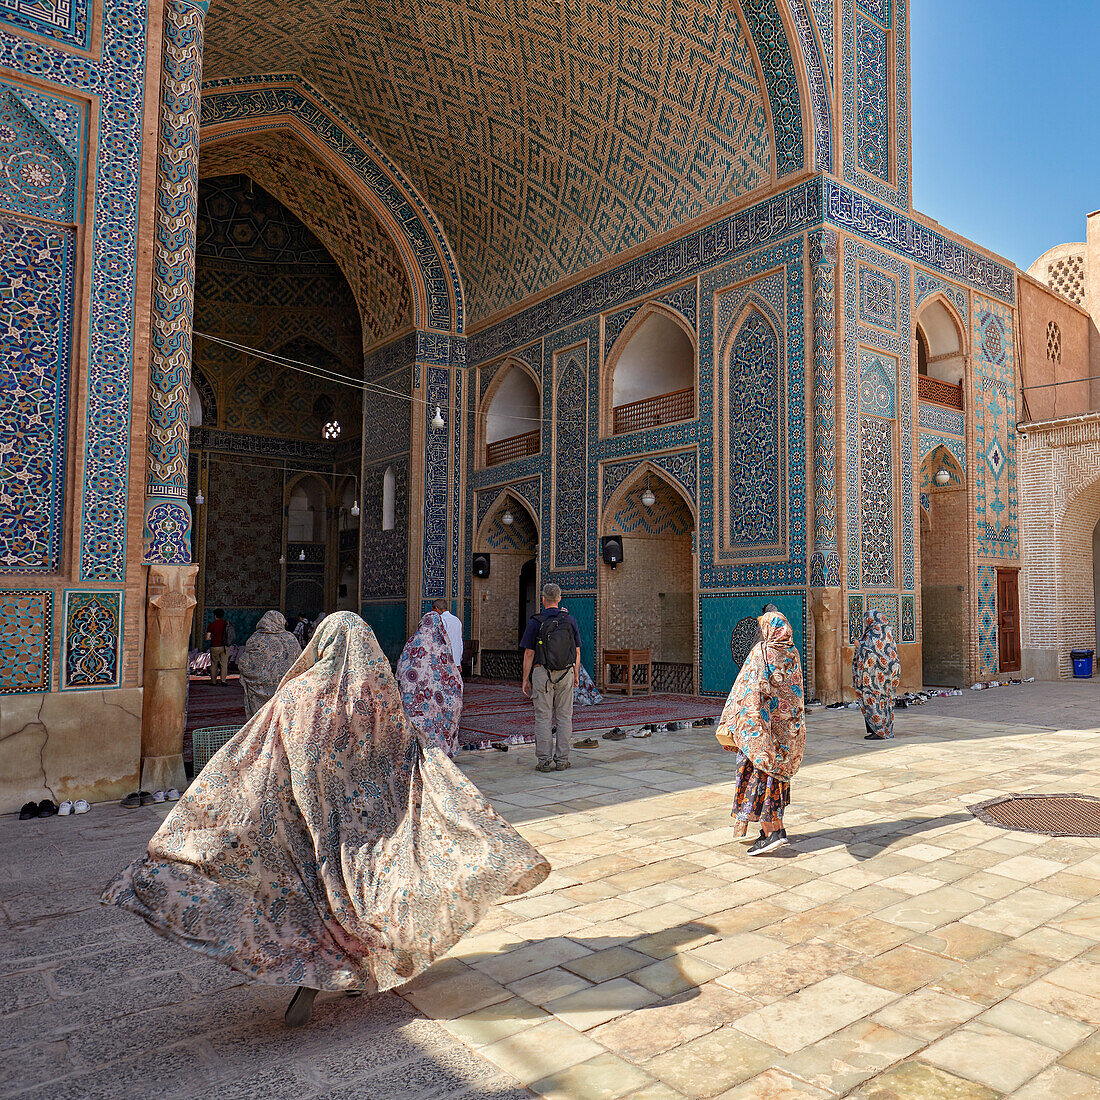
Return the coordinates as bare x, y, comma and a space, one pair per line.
146, 798
500, 746
769, 843
46, 808
561, 765
131, 801
617, 734
29, 810
587, 743
300, 1008
873, 737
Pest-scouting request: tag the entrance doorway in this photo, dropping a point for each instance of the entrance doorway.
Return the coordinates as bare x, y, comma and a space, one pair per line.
528, 596
1008, 620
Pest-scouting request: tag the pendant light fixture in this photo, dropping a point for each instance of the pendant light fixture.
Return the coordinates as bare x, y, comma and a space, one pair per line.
507, 519
648, 499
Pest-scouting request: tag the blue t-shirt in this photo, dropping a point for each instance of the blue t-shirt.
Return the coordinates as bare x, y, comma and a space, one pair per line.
531, 634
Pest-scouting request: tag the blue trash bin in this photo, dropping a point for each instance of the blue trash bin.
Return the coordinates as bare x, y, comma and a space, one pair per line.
1082, 663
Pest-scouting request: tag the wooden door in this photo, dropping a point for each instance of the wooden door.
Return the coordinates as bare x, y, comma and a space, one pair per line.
1008, 619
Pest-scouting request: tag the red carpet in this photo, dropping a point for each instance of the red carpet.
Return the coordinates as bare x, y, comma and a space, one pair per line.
499, 711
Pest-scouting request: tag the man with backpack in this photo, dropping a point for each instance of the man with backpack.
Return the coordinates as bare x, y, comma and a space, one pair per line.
551, 662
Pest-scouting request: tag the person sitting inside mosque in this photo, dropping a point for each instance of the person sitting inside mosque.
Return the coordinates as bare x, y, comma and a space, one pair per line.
265, 659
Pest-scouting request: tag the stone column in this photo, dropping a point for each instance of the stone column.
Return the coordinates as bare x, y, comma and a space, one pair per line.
825, 561
167, 517
170, 604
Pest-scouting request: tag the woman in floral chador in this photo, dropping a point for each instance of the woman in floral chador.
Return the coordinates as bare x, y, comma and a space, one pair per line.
764, 722
328, 845
431, 684
876, 672
265, 659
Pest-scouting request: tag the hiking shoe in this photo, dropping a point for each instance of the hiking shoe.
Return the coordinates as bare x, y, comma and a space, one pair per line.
561, 765
617, 734
766, 844
544, 766
587, 743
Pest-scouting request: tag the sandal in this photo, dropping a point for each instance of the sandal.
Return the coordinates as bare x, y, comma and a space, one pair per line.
300, 1009
131, 801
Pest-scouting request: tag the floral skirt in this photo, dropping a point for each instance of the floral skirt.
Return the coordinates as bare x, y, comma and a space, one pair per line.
878, 712
759, 797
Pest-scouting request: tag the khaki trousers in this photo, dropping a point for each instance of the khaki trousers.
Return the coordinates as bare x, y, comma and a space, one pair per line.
552, 695
219, 663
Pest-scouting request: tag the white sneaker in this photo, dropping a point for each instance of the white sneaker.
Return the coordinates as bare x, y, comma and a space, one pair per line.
172, 795
80, 806
158, 796
65, 809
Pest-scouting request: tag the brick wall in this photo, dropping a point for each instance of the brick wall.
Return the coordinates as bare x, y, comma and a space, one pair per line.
496, 601
944, 615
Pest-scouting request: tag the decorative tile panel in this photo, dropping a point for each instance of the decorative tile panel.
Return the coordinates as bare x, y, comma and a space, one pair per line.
938, 419
908, 619
888, 605
91, 653
681, 468
825, 561
878, 299
36, 294
39, 177
66, 21
988, 652
925, 285
855, 618
571, 459
872, 98
877, 383
995, 434
819, 79
26, 632
876, 502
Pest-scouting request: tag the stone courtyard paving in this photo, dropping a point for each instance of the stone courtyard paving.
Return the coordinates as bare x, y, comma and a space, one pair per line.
898, 949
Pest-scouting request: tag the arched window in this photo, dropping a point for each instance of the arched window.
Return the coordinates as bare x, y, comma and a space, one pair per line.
512, 419
941, 361
654, 376
389, 493
306, 512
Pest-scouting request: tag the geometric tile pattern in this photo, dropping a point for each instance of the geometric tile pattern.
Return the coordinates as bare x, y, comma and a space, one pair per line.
855, 617
878, 299
875, 69
36, 295
988, 656
519, 535
908, 619
995, 436
818, 78
680, 467
66, 21
662, 119
385, 553
872, 98
876, 384
26, 631
876, 517
825, 564
682, 300
668, 516
755, 453
938, 419
925, 284
91, 653
292, 183
39, 175
570, 447
888, 605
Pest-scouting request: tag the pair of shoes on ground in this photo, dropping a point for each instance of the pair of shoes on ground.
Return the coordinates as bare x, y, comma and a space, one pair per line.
764, 844
46, 808
551, 766
147, 798
80, 806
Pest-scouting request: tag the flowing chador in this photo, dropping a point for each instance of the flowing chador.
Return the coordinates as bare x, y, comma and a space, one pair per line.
431, 684
328, 845
265, 659
876, 672
764, 722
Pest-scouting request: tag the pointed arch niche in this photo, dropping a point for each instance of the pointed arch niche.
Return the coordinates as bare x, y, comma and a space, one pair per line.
649, 378
941, 353
945, 581
650, 599
511, 415
505, 599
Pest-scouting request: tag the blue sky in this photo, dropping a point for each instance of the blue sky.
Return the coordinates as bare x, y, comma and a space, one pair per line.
1006, 103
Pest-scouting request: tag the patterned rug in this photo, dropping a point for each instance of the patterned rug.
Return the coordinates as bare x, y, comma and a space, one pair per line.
489, 717
208, 705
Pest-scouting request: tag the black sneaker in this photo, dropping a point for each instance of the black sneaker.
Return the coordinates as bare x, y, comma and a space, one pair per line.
769, 843
29, 811
47, 808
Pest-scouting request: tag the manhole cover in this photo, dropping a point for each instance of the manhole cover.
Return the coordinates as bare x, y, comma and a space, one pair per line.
1048, 814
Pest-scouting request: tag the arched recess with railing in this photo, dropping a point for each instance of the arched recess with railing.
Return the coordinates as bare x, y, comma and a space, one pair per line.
941, 353
510, 422
650, 376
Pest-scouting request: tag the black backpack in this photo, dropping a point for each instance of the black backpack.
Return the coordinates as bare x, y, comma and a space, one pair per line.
556, 648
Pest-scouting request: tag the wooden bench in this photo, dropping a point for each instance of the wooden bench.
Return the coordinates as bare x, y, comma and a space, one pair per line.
627, 660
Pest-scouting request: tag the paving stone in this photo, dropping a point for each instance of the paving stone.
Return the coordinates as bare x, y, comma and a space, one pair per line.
717, 1061
604, 1077
920, 1081
990, 1056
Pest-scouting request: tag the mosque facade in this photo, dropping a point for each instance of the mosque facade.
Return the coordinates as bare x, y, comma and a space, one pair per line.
602, 273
